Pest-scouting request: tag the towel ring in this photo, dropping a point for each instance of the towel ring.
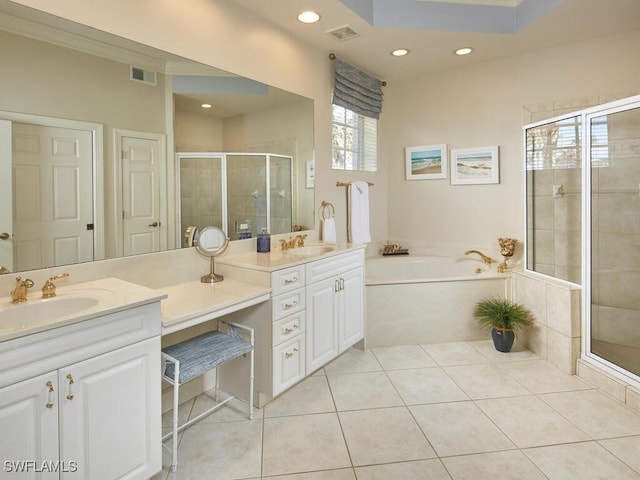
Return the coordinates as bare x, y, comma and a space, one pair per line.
327, 208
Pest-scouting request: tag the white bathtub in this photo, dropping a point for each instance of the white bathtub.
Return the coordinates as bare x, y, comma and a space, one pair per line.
418, 300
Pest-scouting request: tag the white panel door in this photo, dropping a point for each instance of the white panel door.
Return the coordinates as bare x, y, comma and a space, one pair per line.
141, 223
29, 426
52, 196
351, 308
6, 220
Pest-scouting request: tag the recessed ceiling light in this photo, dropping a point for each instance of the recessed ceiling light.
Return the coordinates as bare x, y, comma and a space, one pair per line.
309, 17
464, 51
206, 105
400, 52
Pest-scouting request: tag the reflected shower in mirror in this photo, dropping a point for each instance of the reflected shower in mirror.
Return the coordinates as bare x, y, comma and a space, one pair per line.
114, 192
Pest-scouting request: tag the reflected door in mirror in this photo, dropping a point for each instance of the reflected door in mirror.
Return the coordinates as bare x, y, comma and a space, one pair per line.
52, 196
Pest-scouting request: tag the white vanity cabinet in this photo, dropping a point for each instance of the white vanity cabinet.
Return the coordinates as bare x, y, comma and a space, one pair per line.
335, 307
95, 414
288, 327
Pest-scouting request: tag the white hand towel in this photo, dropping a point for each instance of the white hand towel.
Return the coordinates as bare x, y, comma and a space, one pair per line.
329, 230
358, 204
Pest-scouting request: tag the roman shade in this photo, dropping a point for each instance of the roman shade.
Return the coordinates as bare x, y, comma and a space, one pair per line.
356, 90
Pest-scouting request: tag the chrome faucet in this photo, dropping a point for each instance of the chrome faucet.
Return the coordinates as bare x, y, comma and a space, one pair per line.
49, 289
485, 259
19, 294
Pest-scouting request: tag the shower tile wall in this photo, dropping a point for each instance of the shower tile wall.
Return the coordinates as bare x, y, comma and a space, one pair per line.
281, 196
246, 195
616, 238
200, 192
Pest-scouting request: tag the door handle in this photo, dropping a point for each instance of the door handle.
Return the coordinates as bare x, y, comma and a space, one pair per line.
4, 236
154, 224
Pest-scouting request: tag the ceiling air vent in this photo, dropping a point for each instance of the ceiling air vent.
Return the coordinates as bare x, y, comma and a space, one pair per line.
141, 75
343, 33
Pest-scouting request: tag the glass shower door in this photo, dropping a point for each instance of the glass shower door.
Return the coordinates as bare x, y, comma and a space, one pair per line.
614, 156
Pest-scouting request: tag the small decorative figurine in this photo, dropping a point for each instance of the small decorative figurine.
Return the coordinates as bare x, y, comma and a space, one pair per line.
507, 247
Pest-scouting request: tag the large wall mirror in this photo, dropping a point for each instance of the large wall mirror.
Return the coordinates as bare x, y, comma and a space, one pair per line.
93, 130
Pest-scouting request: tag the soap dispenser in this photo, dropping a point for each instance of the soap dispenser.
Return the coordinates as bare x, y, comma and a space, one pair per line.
264, 241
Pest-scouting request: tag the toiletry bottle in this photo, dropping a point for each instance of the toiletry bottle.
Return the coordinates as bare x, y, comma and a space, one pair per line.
264, 241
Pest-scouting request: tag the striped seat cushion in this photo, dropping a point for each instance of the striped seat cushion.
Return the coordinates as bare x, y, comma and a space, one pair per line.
203, 353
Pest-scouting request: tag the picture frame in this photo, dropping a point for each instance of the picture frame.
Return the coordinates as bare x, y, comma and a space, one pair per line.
426, 162
475, 166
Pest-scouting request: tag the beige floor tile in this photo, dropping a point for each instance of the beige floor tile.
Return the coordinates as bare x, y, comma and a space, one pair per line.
311, 395
184, 410
539, 376
517, 353
626, 449
579, 461
420, 470
234, 410
342, 474
529, 422
303, 443
384, 435
509, 465
357, 391
596, 414
224, 451
485, 381
426, 385
456, 353
354, 361
459, 428
403, 357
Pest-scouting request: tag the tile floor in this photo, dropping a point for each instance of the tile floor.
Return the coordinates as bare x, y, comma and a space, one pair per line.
447, 411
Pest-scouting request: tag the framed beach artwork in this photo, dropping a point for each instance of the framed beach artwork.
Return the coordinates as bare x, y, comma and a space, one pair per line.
426, 162
471, 166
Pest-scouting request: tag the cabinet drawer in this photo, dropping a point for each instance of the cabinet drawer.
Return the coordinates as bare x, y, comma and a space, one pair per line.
288, 328
288, 304
287, 279
335, 265
288, 364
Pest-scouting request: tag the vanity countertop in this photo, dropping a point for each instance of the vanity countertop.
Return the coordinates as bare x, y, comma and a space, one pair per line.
72, 304
278, 259
188, 304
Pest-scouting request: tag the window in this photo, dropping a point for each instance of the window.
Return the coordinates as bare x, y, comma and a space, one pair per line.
354, 141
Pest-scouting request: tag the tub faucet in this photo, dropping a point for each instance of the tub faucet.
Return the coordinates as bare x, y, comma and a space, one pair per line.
19, 294
485, 259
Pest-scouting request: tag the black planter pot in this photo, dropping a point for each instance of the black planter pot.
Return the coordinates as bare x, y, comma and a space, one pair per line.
502, 339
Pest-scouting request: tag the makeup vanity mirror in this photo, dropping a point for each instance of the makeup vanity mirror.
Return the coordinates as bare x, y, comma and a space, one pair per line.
91, 126
212, 241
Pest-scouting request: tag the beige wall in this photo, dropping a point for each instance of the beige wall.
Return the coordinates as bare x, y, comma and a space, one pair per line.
466, 107
481, 105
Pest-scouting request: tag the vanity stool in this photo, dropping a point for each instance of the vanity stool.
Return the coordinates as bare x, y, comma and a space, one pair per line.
187, 360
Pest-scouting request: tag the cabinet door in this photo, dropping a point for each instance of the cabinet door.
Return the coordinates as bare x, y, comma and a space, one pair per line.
322, 323
29, 426
110, 420
351, 308
288, 364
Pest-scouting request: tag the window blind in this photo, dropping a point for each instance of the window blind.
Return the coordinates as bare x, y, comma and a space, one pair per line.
356, 90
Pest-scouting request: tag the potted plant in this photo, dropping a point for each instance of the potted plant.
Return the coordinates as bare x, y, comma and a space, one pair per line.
503, 317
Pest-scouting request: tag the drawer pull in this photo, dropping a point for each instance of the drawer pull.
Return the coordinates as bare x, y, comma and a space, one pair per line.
291, 353
288, 330
69, 394
289, 281
290, 305
49, 404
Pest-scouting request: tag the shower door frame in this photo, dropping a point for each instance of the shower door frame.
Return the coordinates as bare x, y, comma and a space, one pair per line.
587, 355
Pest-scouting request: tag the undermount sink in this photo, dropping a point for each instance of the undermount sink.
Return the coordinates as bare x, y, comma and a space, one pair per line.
311, 250
36, 312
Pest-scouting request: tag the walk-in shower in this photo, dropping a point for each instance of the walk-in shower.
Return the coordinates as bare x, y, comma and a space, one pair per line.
583, 222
